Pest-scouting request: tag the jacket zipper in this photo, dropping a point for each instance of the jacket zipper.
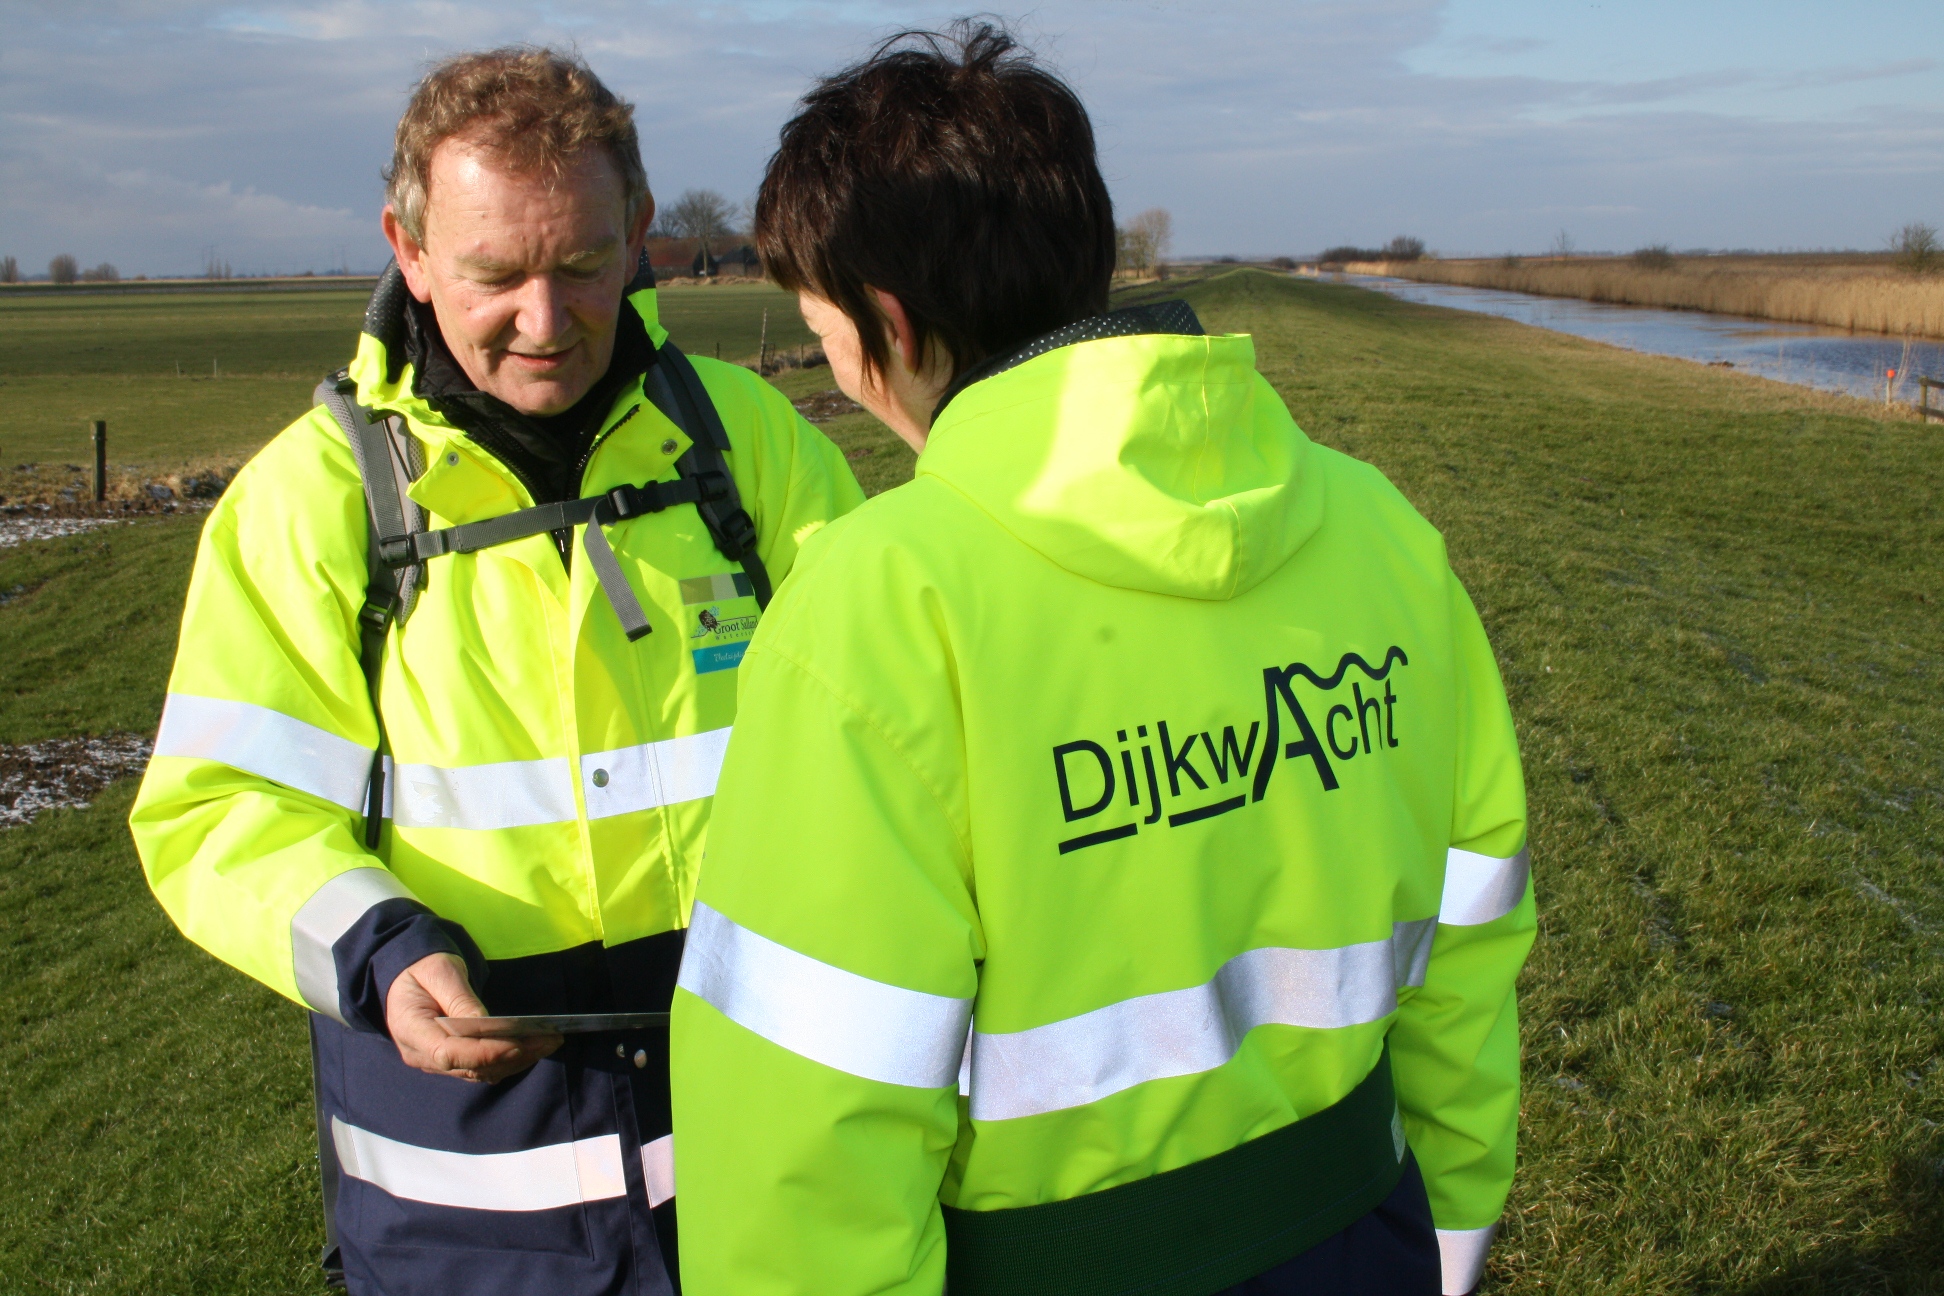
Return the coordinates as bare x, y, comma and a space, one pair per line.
600, 439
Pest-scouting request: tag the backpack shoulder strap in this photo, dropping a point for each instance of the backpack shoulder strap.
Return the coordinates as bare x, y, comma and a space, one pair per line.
388, 461
677, 391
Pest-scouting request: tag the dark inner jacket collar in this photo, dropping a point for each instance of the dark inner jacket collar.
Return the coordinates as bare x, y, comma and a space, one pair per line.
547, 453
1174, 316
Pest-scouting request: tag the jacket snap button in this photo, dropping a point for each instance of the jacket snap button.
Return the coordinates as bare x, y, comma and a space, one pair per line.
641, 1058
600, 778
668, 446
620, 1050
452, 458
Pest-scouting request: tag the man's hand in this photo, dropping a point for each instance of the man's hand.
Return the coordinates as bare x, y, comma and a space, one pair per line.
436, 986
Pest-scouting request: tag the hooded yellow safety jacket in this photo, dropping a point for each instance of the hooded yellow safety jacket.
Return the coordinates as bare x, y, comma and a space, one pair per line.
548, 799
1121, 858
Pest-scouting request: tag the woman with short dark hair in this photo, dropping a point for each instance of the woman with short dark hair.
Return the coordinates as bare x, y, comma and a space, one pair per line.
1118, 875
964, 180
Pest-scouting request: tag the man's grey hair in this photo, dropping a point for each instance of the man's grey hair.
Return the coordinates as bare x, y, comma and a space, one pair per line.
536, 108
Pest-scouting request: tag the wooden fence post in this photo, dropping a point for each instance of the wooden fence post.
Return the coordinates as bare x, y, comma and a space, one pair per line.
101, 460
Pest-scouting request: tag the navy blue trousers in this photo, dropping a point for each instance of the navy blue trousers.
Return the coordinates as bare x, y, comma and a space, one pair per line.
408, 1220
1392, 1251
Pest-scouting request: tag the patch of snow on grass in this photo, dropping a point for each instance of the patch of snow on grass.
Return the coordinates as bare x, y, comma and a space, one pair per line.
64, 772
17, 530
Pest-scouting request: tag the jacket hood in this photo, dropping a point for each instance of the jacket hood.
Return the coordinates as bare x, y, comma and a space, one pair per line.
1158, 462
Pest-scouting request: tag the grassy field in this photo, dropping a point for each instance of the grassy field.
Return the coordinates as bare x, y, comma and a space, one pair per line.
1866, 293
1715, 603
200, 377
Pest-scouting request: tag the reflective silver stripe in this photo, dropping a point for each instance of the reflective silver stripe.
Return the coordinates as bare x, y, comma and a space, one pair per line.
1481, 888
505, 794
1461, 1253
542, 1178
658, 1169
266, 743
1184, 1032
653, 774
327, 915
1411, 950
852, 1023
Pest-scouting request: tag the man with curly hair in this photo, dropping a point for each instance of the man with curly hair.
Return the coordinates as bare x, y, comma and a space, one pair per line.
414, 772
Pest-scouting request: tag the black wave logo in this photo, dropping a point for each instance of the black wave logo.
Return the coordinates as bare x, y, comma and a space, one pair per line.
1395, 655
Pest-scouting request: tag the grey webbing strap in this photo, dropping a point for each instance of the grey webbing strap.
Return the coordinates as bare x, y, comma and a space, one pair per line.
686, 402
400, 545
618, 505
389, 461
385, 468
608, 571
474, 536
380, 470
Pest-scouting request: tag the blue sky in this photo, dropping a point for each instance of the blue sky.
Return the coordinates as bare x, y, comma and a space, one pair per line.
1736, 57
145, 132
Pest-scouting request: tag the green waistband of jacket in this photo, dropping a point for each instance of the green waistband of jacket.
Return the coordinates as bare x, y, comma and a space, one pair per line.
1196, 1229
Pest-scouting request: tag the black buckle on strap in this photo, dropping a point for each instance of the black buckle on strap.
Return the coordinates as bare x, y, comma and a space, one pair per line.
624, 502
375, 616
739, 532
397, 551
712, 486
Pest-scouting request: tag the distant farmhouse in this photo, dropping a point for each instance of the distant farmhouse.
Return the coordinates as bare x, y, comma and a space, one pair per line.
690, 258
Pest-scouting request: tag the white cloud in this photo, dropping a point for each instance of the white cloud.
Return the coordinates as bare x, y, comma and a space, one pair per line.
142, 131
97, 214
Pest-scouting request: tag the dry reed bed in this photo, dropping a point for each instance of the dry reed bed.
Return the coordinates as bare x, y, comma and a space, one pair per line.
1866, 296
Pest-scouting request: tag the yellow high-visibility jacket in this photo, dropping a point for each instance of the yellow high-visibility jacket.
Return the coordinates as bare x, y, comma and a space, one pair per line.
1120, 866
548, 801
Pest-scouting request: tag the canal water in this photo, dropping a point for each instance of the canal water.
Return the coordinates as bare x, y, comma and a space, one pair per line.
1796, 353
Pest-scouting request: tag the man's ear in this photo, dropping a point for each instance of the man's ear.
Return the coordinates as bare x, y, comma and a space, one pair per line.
410, 255
904, 338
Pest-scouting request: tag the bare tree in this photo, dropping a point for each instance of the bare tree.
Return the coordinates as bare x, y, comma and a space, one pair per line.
1142, 244
103, 273
1158, 227
1563, 246
1917, 248
703, 215
9, 270
1404, 248
63, 269
1155, 228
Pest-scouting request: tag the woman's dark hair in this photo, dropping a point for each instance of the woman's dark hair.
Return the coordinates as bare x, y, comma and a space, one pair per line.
954, 172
